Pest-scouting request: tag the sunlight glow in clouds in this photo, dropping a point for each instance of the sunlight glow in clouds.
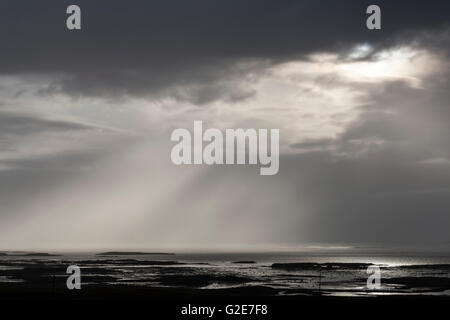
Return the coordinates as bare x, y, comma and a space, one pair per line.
403, 63
316, 98
361, 51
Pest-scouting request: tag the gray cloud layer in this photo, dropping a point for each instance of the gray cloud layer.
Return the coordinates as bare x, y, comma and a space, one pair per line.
384, 177
12, 123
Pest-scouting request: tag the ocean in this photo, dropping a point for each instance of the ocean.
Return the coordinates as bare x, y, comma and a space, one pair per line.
269, 273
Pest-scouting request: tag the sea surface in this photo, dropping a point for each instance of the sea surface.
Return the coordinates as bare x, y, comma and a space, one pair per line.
279, 273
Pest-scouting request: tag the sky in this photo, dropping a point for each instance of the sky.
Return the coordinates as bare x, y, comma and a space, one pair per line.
86, 118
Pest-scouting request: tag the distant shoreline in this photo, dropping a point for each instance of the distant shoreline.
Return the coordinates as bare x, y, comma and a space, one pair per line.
29, 254
132, 253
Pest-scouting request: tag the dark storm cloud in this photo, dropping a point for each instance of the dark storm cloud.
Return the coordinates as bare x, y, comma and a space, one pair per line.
198, 85
143, 47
